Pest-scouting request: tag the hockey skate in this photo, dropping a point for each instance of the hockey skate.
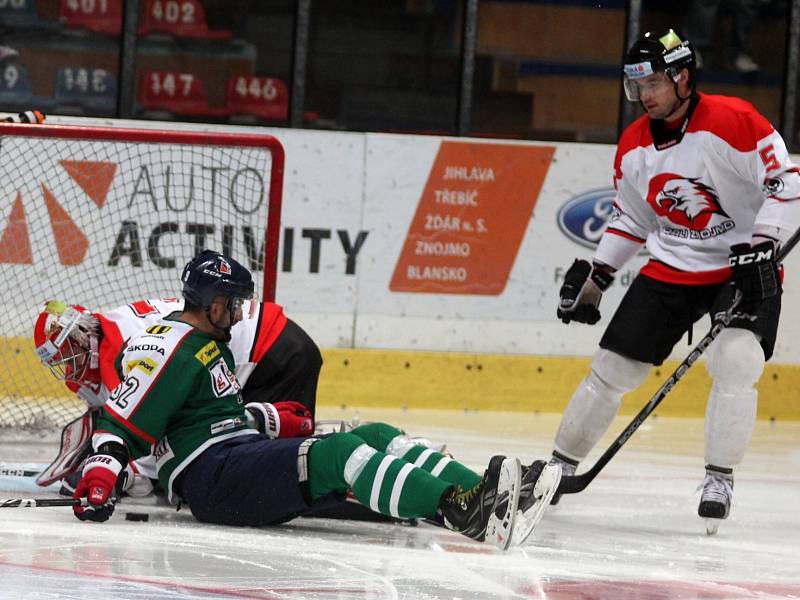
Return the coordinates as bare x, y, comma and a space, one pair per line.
539, 485
487, 511
568, 467
715, 502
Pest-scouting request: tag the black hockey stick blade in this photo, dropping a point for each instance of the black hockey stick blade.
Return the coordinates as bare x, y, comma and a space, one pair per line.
578, 483
42, 502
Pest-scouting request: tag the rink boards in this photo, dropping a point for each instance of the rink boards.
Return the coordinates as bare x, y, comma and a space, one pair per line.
427, 269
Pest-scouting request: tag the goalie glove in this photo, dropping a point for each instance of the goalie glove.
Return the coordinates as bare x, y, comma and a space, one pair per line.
580, 294
29, 116
754, 272
99, 483
282, 419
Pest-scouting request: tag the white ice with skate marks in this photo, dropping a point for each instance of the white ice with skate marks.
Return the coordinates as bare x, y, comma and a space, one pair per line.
633, 533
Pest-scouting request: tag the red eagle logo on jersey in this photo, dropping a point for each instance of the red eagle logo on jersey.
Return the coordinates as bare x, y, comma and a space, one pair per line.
685, 201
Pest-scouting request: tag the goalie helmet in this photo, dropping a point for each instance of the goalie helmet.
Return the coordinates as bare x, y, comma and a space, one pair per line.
658, 52
66, 339
211, 274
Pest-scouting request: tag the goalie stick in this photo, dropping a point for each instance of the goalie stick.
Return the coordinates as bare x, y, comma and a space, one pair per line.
578, 483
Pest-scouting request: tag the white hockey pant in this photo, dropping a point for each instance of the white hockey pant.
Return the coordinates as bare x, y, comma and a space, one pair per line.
596, 402
735, 363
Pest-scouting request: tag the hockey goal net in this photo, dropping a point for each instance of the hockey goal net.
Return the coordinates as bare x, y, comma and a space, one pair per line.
104, 216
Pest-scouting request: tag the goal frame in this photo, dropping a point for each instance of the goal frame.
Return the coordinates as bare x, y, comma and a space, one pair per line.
202, 138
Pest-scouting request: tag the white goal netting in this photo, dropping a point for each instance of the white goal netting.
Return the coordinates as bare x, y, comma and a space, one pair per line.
102, 217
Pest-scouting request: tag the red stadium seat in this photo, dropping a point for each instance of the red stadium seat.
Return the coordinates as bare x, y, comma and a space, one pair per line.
179, 18
178, 93
263, 97
101, 16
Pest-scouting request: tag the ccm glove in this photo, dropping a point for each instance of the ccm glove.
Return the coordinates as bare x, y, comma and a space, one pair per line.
580, 295
98, 485
754, 272
282, 419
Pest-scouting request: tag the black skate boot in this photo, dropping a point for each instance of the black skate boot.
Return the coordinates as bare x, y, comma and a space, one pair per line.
539, 484
568, 467
715, 502
487, 511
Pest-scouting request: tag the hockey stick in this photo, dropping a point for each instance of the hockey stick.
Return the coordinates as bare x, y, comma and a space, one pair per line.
42, 502
578, 483
16, 471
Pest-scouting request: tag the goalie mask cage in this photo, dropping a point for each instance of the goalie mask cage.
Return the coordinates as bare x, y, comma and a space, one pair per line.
102, 217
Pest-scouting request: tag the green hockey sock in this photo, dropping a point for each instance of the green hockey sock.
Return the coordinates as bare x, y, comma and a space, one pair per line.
396, 488
393, 441
384, 483
435, 463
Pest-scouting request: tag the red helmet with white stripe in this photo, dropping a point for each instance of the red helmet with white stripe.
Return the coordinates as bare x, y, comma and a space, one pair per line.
66, 338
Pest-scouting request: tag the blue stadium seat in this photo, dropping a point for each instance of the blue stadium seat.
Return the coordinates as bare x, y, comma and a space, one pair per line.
21, 13
15, 87
94, 90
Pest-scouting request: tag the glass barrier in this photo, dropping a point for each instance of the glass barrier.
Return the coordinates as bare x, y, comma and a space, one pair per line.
214, 61
548, 70
740, 45
60, 56
392, 65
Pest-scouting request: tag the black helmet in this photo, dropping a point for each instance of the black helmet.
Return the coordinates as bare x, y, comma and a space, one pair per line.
211, 274
656, 51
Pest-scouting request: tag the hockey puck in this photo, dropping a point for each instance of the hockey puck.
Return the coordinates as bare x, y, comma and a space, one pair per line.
132, 516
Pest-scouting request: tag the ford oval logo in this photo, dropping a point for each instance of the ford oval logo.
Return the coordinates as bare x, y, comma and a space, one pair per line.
584, 217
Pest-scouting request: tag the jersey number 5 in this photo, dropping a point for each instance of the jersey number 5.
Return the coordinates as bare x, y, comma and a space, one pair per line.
769, 159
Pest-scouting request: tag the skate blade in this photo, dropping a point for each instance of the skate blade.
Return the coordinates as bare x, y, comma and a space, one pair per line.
545, 488
499, 530
712, 525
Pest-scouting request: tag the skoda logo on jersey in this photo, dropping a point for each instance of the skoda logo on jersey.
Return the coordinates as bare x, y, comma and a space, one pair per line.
584, 217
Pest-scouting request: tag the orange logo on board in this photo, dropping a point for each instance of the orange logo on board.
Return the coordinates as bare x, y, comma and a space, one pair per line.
471, 219
71, 244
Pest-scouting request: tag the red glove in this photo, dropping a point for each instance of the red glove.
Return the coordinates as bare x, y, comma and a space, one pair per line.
99, 478
283, 419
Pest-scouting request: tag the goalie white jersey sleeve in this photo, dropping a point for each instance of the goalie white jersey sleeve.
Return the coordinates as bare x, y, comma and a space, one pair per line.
691, 201
251, 338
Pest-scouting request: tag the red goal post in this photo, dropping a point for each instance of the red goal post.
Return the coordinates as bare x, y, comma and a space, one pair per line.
103, 216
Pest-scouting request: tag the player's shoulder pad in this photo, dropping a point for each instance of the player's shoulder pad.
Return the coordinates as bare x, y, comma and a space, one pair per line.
734, 120
635, 135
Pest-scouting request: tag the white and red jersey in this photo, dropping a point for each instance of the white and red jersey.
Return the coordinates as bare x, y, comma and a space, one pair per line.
691, 200
251, 338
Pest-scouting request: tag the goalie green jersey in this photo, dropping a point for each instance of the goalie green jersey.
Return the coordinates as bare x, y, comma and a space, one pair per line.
179, 395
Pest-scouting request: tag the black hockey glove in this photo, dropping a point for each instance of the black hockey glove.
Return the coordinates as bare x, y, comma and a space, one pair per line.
580, 295
754, 273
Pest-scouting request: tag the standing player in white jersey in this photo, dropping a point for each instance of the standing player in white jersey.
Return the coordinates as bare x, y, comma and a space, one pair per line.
706, 183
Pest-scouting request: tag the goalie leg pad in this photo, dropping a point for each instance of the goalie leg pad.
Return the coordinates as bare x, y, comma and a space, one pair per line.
595, 403
735, 364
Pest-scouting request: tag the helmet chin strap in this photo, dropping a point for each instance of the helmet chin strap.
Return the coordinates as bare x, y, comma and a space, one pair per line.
231, 315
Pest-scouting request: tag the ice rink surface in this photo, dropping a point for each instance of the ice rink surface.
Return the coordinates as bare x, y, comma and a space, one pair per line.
633, 534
